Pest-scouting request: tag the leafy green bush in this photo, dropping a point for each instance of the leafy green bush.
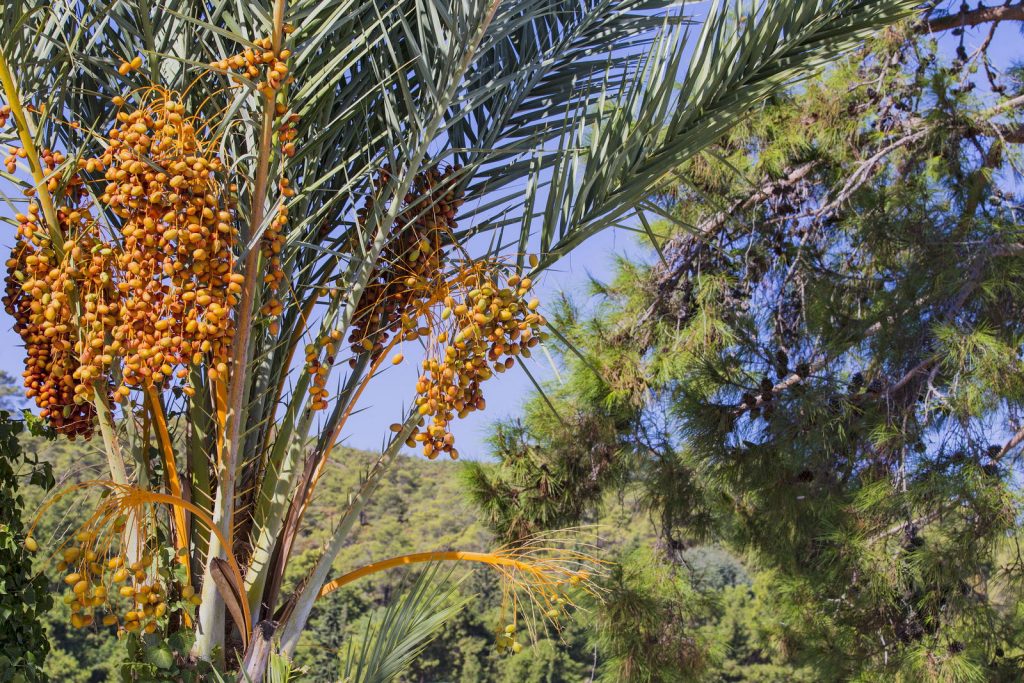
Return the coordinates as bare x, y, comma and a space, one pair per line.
23, 592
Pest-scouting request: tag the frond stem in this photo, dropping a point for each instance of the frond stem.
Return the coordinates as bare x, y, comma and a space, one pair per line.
491, 559
227, 452
170, 467
26, 132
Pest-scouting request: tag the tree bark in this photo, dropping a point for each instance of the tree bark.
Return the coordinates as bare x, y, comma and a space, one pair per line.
257, 655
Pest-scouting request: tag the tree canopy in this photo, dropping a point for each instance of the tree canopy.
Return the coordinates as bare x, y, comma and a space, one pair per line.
820, 367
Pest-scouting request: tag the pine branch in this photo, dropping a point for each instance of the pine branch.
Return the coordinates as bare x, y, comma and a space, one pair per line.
901, 526
1014, 441
670, 270
667, 274
1013, 133
974, 17
795, 378
973, 281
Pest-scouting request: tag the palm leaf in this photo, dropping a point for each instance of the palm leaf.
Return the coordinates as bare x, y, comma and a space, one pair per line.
746, 53
396, 635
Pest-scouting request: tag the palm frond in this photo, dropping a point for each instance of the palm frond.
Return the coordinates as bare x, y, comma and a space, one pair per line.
746, 53
396, 635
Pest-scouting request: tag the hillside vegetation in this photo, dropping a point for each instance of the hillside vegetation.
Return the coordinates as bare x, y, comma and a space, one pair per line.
421, 504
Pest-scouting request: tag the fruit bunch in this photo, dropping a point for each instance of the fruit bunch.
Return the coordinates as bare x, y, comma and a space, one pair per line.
270, 69
64, 303
270, 246
490, 324
286, 131
132, 593
411, 271
164, 180
273, 237
483, 325
506, 643
544, 598
160, 297
259, 63
128, 66
11, 160
327, 346
485, 321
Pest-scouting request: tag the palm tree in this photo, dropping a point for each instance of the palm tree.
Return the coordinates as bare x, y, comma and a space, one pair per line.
225, 208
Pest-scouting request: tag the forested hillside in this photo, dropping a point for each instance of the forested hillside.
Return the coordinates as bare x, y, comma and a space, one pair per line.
422, 504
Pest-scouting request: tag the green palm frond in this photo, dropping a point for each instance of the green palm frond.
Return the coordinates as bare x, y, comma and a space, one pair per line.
745, 53
279, 670
398, 633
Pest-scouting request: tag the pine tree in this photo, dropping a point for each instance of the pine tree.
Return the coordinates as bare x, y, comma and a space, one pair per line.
821, 367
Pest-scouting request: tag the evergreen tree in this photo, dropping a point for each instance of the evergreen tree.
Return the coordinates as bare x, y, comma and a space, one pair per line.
821, 368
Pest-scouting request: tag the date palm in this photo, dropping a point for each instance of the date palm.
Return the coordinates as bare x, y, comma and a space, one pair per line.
224, 208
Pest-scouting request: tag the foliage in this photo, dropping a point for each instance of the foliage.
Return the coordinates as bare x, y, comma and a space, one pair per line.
23, 592
725, 609
645, 624
820, 369
151, 657
395, 638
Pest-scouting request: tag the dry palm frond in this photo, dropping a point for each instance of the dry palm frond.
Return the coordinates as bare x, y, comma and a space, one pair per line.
536, 572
